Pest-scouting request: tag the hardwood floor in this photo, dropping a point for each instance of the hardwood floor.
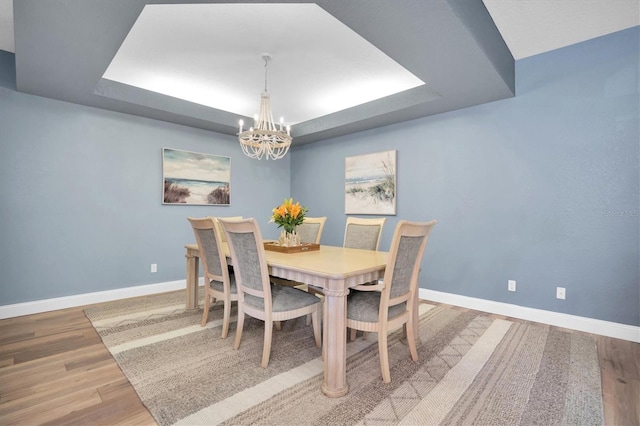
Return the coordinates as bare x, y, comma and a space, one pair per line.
55, 370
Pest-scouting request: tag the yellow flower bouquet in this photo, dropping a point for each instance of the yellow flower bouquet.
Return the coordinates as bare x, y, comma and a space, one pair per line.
288, 215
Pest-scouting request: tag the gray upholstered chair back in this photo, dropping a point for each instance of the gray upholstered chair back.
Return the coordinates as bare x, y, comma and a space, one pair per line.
362, 236
363, 233
310, 231
406, 258
406, 252
249, 262
246, 264
208, 240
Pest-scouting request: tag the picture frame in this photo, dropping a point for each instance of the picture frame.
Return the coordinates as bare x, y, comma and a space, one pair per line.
370, 183
195, 178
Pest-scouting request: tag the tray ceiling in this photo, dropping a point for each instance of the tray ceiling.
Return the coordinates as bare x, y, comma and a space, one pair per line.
338, 67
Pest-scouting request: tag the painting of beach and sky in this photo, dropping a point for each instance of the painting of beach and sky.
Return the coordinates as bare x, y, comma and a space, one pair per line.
370, 184
195, 178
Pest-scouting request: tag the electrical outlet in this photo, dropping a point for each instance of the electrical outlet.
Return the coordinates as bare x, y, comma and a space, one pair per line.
561, 293
154, 268
511, 285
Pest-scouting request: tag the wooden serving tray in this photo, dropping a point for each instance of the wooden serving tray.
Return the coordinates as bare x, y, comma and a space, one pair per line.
275, 246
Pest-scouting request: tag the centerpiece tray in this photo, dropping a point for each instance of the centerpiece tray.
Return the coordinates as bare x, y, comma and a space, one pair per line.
275, 246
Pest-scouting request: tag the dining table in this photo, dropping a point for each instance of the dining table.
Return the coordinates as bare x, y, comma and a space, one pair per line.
334, 270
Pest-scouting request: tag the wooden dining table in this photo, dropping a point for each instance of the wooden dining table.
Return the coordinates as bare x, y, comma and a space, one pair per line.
333, 269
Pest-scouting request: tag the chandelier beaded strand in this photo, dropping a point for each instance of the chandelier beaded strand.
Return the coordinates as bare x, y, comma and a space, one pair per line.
265, 139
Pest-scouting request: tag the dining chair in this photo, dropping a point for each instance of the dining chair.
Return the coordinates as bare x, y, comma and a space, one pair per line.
363, 233
223, 236
310, 231
221, 284
359, 233
390, 303
256, 296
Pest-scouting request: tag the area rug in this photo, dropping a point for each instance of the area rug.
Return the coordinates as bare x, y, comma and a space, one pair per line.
472, 370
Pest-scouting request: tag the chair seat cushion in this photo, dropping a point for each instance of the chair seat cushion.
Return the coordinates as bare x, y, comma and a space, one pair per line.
365, 305
217, 285
284, 299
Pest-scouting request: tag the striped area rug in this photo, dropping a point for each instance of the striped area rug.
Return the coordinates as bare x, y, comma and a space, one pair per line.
472, 370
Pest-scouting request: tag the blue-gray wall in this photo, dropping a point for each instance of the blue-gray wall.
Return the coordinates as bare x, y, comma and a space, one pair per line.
541, 188
81, 206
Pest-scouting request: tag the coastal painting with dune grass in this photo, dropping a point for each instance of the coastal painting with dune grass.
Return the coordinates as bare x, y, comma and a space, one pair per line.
195, 178
370, 184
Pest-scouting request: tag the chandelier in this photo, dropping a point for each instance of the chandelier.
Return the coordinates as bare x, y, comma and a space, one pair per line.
265, 139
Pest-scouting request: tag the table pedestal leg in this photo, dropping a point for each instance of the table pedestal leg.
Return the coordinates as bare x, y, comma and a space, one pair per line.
335, 343
193, 268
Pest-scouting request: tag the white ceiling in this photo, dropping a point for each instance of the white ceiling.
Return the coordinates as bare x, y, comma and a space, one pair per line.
531, 27
184, 51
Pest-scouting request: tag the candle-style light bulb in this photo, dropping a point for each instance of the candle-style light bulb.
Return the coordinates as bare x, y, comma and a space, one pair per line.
281, 122
241, 123
289, 130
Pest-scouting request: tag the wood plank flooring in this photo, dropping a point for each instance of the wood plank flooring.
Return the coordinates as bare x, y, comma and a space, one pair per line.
54, 370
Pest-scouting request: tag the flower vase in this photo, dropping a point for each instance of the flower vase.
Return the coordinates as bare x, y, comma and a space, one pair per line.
289, 239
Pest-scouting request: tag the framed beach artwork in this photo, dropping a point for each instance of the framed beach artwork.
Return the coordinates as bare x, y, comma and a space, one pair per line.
370, 183
195, 178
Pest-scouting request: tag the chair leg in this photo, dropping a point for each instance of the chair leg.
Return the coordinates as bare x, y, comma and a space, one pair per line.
364, 335
352, 335
411, 341
226, 318
205, 313
310, 290
266, 349
315, 319
239, 326
278, 325
384, 356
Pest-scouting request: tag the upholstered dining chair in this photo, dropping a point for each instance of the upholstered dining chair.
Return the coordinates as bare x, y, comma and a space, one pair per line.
390, 303
256, 296
223, 236
221, 284
359, 233
310, 231
363, 233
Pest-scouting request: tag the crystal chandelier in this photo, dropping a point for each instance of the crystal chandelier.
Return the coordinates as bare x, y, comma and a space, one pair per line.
265, 139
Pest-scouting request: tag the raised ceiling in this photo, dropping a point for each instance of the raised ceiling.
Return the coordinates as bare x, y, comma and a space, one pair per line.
197, 60
337, 67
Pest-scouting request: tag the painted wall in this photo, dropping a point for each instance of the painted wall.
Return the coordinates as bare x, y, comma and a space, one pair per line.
542, 188
81, 207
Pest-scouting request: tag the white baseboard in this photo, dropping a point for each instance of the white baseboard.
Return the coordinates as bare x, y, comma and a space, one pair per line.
588, 325
39, 306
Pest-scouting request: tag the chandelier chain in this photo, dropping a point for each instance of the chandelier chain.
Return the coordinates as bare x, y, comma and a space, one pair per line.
266, 63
